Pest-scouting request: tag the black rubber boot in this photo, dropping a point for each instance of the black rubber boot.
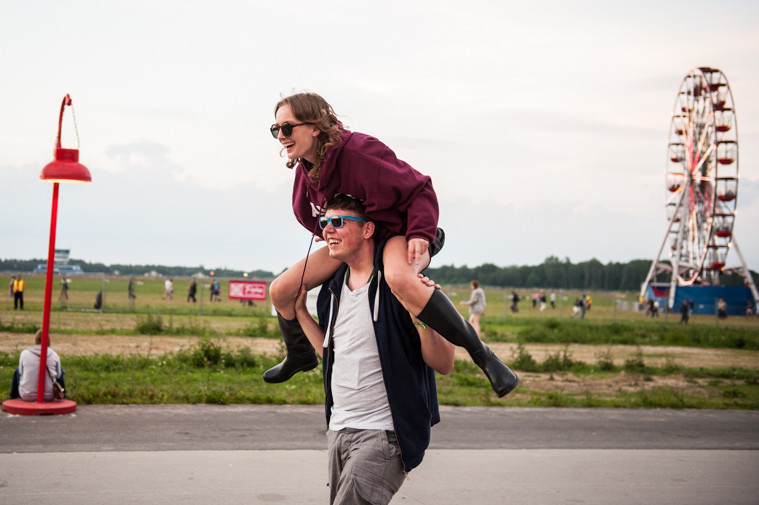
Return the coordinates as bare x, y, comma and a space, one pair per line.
438, 243
441, 315
301, 356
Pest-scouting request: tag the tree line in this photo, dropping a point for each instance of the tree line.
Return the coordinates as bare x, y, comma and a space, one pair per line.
553, 273
15, 265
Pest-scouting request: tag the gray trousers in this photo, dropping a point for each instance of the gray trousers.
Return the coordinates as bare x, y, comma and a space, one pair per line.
365, 466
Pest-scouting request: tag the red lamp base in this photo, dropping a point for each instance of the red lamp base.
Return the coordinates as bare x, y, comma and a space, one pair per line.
25, 408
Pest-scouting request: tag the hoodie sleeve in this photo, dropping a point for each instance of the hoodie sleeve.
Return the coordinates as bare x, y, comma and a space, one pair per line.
395, 194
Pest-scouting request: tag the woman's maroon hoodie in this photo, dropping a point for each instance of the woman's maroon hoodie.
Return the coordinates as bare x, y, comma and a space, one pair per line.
400, 200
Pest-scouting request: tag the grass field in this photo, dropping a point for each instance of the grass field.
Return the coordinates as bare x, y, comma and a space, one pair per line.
170, 351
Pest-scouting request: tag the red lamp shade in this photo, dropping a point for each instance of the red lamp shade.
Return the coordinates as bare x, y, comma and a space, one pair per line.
65, 168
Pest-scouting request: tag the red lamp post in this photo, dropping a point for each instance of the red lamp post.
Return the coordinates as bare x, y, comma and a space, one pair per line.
64, 168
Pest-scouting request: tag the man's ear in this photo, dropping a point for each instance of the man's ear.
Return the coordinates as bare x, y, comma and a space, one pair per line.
368, 229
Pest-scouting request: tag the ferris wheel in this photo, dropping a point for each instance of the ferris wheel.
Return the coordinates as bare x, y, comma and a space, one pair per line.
701, 183
701, 176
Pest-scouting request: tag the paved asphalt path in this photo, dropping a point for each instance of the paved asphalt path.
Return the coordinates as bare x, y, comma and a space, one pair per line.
276, 454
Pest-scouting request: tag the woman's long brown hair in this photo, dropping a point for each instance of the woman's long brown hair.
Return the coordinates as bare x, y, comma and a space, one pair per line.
312, 108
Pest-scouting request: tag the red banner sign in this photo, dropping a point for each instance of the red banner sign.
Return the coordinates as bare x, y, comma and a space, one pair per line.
247, 290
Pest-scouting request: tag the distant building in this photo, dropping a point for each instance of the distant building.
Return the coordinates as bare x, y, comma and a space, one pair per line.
60, 264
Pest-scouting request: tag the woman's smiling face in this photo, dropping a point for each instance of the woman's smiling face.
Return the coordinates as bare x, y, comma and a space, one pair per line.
301, 143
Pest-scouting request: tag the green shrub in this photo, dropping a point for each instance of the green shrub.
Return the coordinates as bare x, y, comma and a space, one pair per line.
149, 325
205, 354
25, 327
671, 366
523, 360
243, 358
635, 364
558, 362
192, 328
259, 327
605, 360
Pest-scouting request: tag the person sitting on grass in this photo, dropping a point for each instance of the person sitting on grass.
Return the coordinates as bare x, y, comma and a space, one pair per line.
26, 376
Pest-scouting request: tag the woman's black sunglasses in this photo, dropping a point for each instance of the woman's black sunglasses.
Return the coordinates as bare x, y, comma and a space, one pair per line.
287, 129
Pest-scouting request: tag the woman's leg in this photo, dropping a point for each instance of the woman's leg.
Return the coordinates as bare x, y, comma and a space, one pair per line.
401, 277
474, 320
285, 288
435, 310
300, 353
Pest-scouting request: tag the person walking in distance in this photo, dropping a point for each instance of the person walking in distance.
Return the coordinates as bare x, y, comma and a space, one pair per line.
192, 291
476, 304
18, 293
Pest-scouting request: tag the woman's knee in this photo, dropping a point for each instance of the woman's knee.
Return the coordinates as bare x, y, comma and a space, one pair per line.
401, 281
281, 291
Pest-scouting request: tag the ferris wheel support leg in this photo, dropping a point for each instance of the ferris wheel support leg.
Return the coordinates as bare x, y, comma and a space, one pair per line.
654, 264
675, 279
746, 272
652, 271
672, 291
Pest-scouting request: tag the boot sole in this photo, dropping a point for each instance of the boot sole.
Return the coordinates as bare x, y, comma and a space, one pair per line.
504, 391
280, 379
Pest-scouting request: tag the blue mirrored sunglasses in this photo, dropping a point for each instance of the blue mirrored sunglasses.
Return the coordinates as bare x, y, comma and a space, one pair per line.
337, 221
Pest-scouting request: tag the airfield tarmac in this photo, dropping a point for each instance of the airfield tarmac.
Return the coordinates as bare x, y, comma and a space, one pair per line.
128, 454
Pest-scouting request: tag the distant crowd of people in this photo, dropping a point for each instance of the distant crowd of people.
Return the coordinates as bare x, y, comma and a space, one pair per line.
541, 301
17, 288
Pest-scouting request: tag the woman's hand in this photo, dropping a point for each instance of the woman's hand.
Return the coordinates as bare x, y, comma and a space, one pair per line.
416, 248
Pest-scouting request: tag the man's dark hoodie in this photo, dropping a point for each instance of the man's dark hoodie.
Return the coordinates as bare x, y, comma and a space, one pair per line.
410, 383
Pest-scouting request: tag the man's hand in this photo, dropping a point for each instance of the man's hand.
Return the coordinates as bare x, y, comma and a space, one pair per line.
428, 282
416, 248
300, 300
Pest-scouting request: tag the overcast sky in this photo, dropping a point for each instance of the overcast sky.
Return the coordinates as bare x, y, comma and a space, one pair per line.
543, 124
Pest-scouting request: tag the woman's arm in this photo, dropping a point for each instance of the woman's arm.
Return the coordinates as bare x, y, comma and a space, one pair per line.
312, 330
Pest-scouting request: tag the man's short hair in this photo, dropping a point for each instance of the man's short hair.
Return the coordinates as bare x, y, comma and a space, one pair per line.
38, 338
345, 202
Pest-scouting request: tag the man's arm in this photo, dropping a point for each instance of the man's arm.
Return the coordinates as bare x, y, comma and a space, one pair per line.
437, 352
312, 330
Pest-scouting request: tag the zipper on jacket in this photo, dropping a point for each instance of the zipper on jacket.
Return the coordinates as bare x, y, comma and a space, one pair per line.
377, 296
327, 334
392, 416
333, 310
398, 438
